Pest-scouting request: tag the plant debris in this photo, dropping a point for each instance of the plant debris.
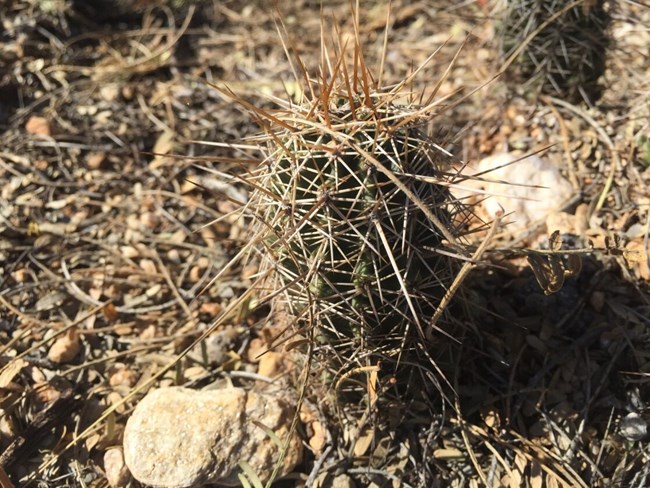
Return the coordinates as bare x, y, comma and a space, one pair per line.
120, 176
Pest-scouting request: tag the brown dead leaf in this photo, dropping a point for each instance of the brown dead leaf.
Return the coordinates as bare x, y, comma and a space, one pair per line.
10, 371
50, 301
249, 271
364, 441
448, 453
91, 441
148, 333
110, 312
123, 329
536, 478
551, 481
163, 146
516, 475
636, 257
536, 343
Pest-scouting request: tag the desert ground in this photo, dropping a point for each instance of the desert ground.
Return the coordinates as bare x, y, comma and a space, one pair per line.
122, 168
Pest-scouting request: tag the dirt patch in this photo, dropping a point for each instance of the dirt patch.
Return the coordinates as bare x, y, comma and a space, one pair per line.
118, 199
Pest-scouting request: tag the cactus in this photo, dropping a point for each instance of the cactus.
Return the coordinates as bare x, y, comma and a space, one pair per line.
559, 46
358, 227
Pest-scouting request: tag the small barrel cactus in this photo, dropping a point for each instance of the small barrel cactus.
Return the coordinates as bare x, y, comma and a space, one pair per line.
559, 46
357, 220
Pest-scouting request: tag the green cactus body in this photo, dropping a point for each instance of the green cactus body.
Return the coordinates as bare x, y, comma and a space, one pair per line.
561, 48
352, 250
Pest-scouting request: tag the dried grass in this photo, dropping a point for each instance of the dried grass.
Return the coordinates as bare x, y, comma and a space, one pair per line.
108, 240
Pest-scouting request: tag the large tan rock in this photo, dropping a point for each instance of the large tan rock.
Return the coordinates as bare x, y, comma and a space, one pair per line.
177, 437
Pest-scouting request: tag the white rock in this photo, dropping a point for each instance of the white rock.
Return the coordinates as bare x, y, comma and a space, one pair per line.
177, 437
530, 188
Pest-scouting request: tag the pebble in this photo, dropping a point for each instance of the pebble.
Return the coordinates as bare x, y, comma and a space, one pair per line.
116, 471
39, 126
178, 437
